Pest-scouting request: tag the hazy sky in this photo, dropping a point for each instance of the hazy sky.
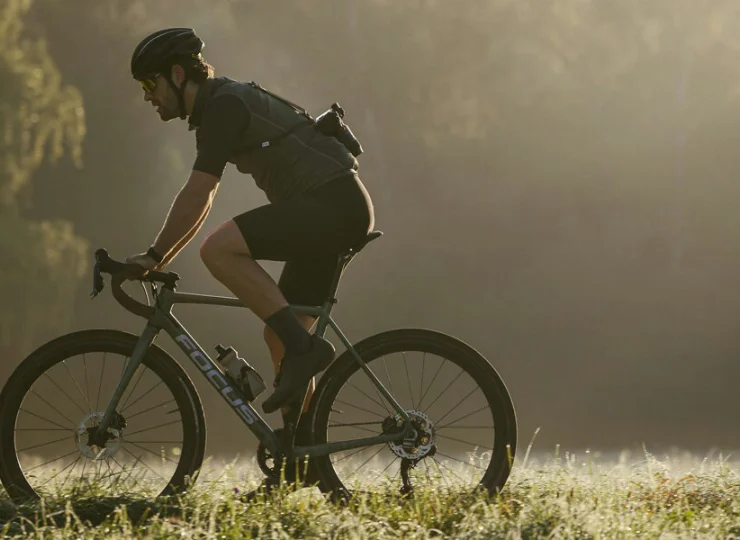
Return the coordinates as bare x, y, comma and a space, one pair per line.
558, 188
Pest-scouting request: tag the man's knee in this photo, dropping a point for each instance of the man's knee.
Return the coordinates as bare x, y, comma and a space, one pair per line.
225, 241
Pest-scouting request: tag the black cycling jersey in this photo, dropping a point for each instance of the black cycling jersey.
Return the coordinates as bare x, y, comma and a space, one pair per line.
227, 118
233, 120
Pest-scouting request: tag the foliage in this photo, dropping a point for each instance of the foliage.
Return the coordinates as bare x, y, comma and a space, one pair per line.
40, 118
557, 499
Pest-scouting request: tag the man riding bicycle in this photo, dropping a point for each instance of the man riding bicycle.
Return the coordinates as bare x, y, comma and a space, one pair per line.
318, 207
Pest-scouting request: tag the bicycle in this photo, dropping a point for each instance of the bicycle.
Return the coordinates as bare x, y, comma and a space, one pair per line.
106, 435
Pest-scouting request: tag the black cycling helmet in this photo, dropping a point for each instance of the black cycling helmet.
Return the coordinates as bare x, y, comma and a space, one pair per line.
154, 51
158, 51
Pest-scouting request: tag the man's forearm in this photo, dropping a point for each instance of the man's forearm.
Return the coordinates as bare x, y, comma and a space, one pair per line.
184, 241
185, 217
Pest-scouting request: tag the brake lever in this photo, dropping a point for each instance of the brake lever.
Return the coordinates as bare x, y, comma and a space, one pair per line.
98, 282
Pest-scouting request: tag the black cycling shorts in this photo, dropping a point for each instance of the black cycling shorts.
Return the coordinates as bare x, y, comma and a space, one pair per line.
308, 231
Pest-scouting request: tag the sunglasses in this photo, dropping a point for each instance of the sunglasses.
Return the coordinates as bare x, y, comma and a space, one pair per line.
149, 83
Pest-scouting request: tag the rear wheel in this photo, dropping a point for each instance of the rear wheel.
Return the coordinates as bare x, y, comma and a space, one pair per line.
52, 404
463, 417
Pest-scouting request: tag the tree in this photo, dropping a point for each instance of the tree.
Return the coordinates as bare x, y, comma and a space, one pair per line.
41, 262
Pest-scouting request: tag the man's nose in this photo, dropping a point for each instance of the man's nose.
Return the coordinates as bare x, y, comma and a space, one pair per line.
147, 96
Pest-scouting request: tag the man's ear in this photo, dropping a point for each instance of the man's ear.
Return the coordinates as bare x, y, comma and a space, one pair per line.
177, 73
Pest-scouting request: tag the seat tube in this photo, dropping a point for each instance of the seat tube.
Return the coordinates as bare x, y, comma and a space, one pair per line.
332, 299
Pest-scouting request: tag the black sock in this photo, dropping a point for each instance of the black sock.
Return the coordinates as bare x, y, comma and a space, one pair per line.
292, 334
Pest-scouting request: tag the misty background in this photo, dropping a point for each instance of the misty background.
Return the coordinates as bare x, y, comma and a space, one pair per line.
557, 183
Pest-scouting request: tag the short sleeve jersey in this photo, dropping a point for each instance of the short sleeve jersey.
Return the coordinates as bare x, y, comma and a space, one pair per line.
233, 120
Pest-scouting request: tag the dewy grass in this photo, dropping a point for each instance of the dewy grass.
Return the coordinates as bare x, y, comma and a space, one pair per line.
570, 496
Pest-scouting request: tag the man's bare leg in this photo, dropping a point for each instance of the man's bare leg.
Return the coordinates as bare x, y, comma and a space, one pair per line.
227, 256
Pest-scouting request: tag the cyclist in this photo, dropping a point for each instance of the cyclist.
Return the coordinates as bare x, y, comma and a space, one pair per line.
318, 207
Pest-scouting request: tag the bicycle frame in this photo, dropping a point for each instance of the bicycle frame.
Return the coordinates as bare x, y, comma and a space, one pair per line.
163, 319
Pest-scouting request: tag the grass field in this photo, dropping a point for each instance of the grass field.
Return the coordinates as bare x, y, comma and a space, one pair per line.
555, 496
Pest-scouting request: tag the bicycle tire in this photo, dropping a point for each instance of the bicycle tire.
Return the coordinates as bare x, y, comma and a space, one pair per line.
104, 341
436, 343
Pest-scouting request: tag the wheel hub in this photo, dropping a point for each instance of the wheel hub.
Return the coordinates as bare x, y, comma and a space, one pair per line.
418, 441
94, 444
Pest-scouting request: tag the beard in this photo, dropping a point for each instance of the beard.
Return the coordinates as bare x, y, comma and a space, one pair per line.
168, 113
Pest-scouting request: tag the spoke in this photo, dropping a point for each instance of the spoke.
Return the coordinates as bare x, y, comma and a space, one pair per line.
442, 363
350, 455
47, 420
84, 464
76, 384
463, 417
386, 468
459, 403
151, 428
72, 469
130, 416
460, 440
445, 390
421, 384
63, 392
44, 429
359, 408
383, 400
155, 442
461, 461
153, 453
118, 478
133, 467
369, 430
446, 467
408, 378
110, 473
390, 382
100, 385
42, 444
441, 474
50, 405
368, 397
72, 463
144, 464
365, 462
462, 427
53, 460
142, 396
87, 386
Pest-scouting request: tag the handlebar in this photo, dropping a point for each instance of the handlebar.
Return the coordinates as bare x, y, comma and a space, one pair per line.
121, 272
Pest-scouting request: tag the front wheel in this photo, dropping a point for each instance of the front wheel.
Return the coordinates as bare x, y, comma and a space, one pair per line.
50, 408
465, 429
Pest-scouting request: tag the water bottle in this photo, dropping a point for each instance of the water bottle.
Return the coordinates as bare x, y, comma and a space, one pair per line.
240, 372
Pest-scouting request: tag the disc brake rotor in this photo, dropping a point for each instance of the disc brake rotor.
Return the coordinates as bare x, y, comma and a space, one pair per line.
419, 442
91, 444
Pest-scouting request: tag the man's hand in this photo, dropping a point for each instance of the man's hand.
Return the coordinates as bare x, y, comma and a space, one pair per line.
143, 260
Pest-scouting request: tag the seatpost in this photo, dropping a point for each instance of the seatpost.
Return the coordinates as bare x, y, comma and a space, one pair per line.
342, 261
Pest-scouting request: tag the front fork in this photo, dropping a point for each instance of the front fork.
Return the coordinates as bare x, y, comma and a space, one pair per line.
140, 349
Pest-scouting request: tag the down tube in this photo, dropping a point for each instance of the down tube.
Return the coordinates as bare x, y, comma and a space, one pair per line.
233, 396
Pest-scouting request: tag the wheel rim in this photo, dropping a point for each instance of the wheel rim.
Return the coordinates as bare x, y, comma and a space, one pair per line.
453, 419
59, 449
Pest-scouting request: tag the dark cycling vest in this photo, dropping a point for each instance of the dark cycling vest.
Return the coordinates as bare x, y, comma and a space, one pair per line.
297, 163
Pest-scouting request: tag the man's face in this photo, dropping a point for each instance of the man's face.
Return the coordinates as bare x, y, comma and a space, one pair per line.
159, 93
